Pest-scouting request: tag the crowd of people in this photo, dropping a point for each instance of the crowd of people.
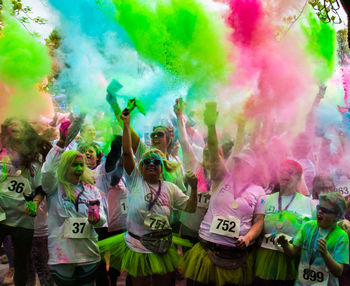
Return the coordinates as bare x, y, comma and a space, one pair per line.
248, 210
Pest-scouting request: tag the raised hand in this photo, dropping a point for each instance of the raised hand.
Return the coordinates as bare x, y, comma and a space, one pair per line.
210, 114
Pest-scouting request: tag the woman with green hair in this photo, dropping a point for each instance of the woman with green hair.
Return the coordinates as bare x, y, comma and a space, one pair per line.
73, 214
146, 250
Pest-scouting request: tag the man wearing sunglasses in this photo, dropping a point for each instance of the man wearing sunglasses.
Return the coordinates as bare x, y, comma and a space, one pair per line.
323, 245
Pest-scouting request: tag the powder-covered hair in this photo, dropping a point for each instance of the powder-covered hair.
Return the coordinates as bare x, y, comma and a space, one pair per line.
168, 166
66, 162
318, 182
337, 201
296, 165
82, 148
168, 133
31, 147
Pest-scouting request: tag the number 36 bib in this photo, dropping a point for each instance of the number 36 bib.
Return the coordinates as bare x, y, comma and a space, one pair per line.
77, 227
156, 222
225, 225
313, 275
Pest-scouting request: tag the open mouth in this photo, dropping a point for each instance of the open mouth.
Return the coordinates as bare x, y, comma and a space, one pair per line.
319, 218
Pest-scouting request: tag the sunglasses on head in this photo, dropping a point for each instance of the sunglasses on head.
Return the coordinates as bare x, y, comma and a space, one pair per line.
157, 134
325, 210
147, 162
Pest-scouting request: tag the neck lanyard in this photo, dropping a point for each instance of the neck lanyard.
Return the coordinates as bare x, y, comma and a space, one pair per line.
280, 202
152, 201
313, 241
76, 204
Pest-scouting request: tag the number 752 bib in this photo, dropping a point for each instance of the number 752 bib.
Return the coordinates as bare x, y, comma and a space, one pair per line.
77, 227
225, 225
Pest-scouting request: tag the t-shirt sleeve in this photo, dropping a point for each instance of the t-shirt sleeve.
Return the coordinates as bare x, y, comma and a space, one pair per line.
313, 209
341, 252
142, 148
300, 236
261, 201
35, 181
179, 198
131, 180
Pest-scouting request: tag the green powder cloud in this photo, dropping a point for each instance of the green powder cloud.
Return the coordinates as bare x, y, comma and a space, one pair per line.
321, 44
23, 60
179, 35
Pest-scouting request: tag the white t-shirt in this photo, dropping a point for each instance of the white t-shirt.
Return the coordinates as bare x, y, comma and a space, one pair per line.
300, 210
102, 182
250, 202
12, 202
40, 222
138, 194
117, 206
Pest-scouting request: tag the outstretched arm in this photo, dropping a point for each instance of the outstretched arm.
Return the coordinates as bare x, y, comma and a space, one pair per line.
128, 160
217, 164
112, 100
188, 155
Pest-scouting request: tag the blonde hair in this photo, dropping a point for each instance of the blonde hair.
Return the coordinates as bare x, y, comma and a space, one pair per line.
168, 166
67, 160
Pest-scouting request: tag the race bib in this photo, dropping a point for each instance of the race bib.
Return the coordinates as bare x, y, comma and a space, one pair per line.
124, 206
203, 200
314, 275
156, 222
268, 242
225, 225
344, 190
14, 187
77, 227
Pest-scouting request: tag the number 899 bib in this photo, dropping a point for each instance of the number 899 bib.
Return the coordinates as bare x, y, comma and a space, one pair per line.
313, 275
77, 227
225, 225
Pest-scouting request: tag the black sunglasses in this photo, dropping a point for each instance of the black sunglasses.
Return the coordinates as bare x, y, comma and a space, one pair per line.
157, 134
325, 210
147, 162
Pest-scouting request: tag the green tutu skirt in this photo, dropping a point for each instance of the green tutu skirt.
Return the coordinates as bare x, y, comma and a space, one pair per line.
197, 266
275, 265
122, 258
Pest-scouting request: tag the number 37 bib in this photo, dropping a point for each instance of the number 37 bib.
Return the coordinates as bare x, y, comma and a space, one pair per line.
77, 227
225, 225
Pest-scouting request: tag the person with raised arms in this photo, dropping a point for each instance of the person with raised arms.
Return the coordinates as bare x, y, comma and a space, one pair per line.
73, 214
146, 250
233, 221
